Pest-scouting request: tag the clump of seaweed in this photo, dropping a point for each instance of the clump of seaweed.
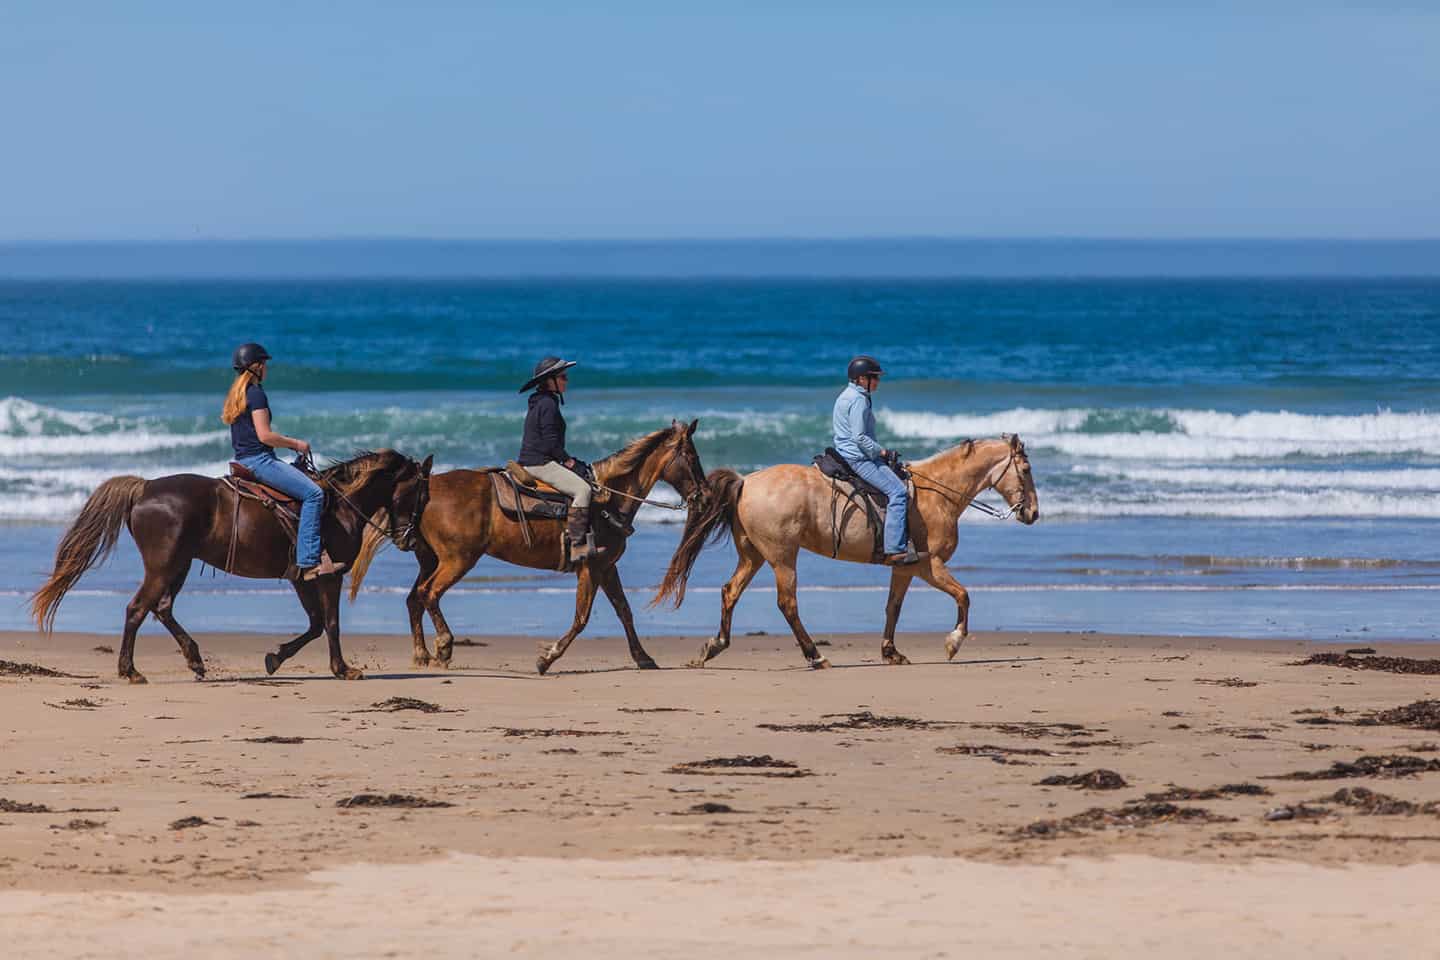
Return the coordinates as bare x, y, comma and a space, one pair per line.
1386, 664
763, 765
1209, 793
1094, 780
403, 800
1388, 765
1128, 817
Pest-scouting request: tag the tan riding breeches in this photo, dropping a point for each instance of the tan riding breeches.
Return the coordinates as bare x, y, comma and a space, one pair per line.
565, 480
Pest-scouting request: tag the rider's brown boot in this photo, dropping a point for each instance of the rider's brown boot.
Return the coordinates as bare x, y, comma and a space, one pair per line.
582, 543
324, 568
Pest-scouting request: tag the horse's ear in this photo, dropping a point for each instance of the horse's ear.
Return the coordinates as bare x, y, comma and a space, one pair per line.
690, 430
1014, 439
426, 464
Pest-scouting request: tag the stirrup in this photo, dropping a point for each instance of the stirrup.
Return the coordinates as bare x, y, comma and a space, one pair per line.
906, 558
324, 568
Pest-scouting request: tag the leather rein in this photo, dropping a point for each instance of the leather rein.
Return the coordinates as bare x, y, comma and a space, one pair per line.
975, 504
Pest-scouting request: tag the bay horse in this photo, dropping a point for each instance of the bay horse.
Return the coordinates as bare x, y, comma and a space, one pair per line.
772, 513
463, 523
177, 519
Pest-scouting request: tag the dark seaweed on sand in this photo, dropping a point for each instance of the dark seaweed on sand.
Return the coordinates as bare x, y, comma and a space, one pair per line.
863, 720
1211, 793
9, 668
1389, 765
1422, 715
390, 800
395, 704
1136, 815
1369, 803
1386, 664
1094, 780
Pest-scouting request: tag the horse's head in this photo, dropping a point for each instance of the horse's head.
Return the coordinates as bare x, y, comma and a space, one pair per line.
1016, 484
683, 470
386, 483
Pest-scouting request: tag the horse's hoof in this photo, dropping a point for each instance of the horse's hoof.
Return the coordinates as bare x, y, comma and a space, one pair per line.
646, 664
696, 664
420, 661
541, 665
135, 676
953, 640
897, 659
272, 663
199, 674
349, 673
820, 663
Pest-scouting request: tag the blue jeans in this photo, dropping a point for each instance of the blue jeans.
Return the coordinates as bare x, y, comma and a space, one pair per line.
274, 472
881, 476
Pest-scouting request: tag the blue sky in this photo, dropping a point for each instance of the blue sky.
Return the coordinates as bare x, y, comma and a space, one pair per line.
538, 120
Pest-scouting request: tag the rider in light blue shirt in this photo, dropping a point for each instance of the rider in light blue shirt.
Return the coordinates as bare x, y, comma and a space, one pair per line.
854, 426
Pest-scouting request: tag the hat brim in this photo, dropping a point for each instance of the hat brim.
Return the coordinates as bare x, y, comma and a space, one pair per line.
560, 367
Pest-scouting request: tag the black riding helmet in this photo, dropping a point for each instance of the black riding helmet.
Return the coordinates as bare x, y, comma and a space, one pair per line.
863, 366
246, 354
547, 367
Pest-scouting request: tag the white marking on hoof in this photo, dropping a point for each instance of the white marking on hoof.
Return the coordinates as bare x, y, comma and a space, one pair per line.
953, 640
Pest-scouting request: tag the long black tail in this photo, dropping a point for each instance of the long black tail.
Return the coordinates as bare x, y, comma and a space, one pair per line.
709, 525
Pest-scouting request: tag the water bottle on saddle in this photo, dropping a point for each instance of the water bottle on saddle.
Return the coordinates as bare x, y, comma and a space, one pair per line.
543, 454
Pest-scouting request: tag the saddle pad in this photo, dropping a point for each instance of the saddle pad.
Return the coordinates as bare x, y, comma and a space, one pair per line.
536, 503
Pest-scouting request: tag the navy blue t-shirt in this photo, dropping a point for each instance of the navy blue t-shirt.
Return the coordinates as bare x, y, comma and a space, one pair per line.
242, 432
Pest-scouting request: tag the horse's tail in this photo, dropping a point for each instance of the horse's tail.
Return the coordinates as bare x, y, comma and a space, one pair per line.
88, 541
711, 524
370, 544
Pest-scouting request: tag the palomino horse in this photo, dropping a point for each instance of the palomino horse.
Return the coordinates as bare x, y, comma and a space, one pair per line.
463, 523
177, 519
771, 514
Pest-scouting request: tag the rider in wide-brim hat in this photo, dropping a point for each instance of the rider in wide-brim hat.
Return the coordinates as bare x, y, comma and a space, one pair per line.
543, 453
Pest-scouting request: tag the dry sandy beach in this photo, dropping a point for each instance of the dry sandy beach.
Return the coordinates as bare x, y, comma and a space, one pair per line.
752, 808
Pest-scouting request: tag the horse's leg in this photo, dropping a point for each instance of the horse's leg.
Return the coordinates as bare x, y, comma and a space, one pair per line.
164, 612
145, 599
447, 574
329, 590
790, 607
899, 585
615, 592
585, 589
310, 600
416, 607
938, 577
747, 564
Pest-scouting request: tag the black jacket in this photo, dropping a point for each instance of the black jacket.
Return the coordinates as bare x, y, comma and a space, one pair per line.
544, 431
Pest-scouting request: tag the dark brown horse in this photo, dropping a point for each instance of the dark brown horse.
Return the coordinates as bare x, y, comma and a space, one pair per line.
178, 519
464, 523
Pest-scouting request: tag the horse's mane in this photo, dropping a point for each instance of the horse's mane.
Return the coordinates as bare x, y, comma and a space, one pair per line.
354, 473
630, 456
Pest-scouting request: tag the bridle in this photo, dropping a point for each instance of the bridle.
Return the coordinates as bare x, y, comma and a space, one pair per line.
399, 537
695, 496
990, 482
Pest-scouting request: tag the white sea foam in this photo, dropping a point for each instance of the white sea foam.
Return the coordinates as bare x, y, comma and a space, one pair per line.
1188, 435
1264, 506
1265, 479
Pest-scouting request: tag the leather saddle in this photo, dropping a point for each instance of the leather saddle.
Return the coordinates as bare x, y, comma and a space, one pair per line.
519, 492
834, 466
247, 483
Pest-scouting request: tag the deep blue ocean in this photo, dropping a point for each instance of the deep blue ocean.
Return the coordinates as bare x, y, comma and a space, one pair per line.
1213, 456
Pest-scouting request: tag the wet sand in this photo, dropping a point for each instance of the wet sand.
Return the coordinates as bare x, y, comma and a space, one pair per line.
883, 807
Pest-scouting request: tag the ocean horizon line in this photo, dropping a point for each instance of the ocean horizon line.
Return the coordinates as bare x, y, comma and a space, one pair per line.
871, 258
